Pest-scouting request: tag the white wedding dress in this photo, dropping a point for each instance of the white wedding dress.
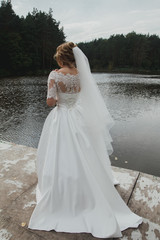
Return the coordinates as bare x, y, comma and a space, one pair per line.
75, 191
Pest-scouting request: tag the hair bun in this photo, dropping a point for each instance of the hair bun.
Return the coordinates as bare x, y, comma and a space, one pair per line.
64, 54
71, 45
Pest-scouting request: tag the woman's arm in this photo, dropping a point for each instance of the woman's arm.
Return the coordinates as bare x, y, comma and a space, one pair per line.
52, 90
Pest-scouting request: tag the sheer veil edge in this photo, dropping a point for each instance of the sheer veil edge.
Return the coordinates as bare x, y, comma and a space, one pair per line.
96, 115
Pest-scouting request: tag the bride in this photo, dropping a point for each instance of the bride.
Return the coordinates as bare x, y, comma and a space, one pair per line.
75, 191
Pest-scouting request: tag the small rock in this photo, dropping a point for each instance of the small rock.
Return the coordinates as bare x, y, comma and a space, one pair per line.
23, 224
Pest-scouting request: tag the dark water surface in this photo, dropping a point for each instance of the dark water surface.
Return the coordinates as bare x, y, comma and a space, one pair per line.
133, 101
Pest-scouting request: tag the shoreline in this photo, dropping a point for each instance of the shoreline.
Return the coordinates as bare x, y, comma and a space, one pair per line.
114, 71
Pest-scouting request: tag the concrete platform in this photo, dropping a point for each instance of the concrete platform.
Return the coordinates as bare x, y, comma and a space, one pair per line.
17, 198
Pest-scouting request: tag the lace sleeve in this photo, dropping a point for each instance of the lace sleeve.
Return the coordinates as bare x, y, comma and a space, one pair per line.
52, 87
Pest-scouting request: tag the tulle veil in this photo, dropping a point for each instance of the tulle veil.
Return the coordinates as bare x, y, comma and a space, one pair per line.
96, 115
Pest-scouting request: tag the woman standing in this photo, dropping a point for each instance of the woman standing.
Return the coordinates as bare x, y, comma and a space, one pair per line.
75, 191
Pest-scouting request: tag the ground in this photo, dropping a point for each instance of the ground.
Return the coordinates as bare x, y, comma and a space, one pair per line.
140, 191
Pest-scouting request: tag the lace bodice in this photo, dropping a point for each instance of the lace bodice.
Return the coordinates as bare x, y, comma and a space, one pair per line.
63, 87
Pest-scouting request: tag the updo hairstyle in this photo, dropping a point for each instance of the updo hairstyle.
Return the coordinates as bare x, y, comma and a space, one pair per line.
64, 55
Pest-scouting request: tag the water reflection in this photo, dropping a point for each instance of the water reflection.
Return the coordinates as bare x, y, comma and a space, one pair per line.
133, 101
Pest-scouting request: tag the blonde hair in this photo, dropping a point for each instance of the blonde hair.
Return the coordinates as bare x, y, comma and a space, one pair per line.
64, 54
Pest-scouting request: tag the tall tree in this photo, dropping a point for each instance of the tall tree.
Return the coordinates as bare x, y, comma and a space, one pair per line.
27, 44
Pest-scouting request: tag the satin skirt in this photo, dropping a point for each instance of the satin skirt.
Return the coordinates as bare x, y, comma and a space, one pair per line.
75, 191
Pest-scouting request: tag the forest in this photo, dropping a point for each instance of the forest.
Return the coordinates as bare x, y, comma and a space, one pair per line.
27, 45
135, 53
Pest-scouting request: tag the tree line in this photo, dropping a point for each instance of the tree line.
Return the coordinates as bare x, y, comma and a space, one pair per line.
132, 52
27, 45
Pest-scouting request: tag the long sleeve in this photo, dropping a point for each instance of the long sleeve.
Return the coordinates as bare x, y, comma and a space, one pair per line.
51, 86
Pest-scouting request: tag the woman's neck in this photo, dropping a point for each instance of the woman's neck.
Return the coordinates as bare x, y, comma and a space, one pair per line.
66, 69
69, 67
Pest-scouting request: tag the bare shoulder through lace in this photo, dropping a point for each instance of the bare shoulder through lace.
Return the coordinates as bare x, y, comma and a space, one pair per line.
62, 83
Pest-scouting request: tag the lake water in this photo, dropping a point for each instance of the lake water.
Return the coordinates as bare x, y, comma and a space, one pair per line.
133, 101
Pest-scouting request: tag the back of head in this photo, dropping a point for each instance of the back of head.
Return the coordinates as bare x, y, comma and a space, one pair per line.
64, 54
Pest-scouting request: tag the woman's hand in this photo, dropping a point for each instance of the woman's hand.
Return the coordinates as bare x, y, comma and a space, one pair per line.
51, 102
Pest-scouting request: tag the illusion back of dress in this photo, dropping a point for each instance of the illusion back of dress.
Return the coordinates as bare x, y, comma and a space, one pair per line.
64, 87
